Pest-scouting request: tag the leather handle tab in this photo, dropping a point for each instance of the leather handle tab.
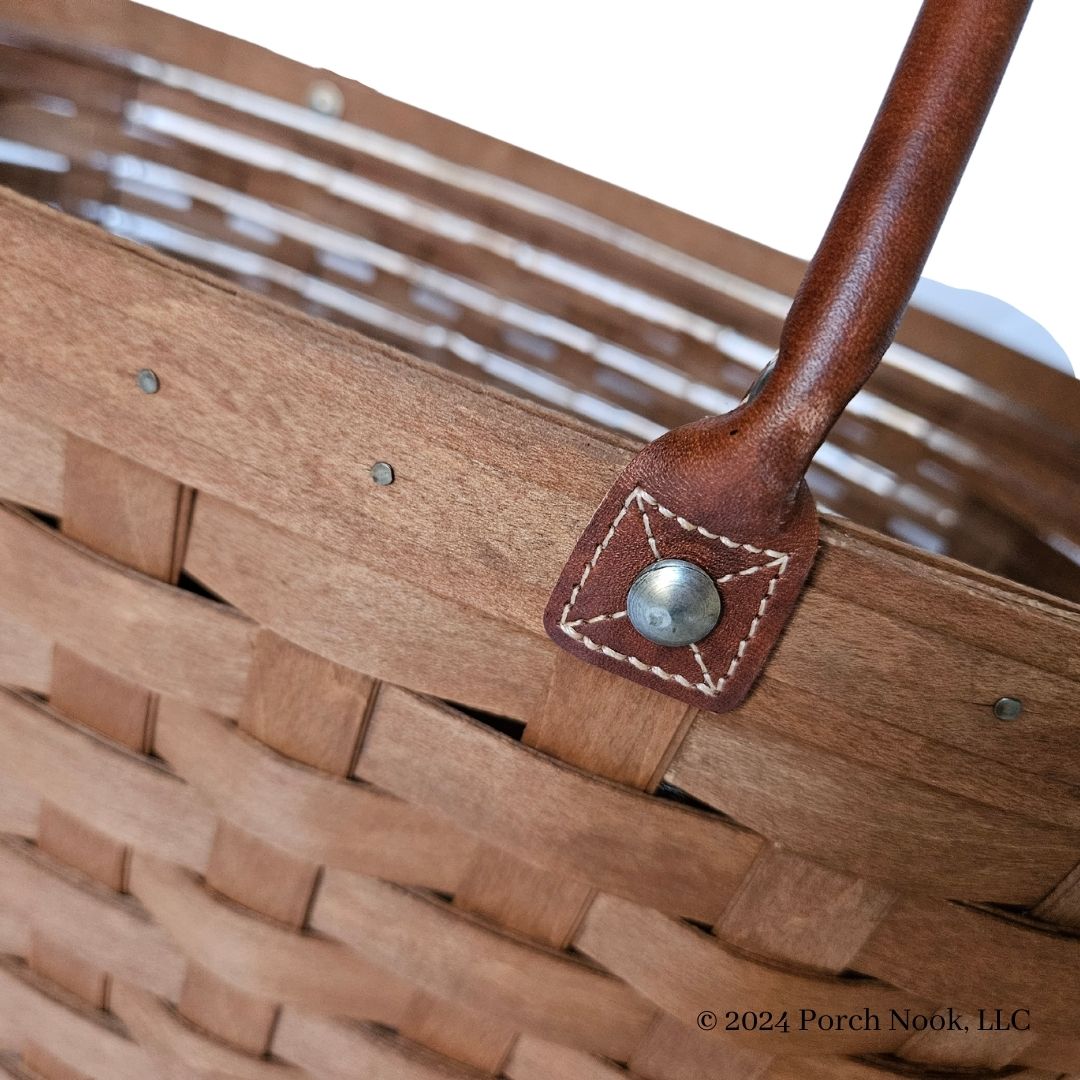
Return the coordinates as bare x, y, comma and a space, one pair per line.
855, 290
727, 494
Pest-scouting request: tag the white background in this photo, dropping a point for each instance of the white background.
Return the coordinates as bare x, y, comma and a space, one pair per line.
747, 114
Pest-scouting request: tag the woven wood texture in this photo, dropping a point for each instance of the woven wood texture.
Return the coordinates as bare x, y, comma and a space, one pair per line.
291, 782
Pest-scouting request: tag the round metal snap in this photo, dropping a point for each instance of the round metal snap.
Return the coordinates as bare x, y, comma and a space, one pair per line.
673, 602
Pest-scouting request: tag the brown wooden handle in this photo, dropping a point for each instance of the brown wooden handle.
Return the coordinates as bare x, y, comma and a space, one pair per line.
857, 285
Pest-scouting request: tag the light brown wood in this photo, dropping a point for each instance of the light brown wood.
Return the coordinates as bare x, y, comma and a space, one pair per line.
157, 1029
457, 144
473, 1038
304, 811
20, 808
659, 406
263, 959
162, 638
41, 1063
139, 518
453, 957
376, 111
500, 873
1019, 495
251, 871
331, 397
533, 1059
148, 808
305, 707
948, 597
534, 900
919, 835
68, 970
32, 474
905, 939
877, 744
1005, 961
791, 911
684, 971
287, 583
259, 876
608, 836
79, 845
39, 894
226, 1012
928, 682
25, 656
798, 912
668, 1054
631, 752
355, 1052
77, 1038
974, 1048
118, 508
98, 699
546, 906
332, 378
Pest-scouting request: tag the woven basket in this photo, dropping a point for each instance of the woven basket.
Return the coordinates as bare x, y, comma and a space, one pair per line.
291, 781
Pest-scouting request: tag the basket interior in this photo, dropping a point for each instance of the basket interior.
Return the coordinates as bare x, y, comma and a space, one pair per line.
559, 288
291, 781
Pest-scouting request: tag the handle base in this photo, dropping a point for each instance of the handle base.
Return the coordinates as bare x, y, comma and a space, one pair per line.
759, 573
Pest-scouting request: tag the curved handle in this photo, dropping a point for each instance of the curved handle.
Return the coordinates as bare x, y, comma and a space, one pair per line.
847, 309
726, 495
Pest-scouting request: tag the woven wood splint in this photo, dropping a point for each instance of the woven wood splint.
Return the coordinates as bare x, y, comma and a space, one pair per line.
291, 781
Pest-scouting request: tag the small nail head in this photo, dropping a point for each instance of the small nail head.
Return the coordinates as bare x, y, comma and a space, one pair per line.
382, 473
1008, 708
148, 382
326, 98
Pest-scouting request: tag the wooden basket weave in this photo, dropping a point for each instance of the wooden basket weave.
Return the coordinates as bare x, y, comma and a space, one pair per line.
291, 782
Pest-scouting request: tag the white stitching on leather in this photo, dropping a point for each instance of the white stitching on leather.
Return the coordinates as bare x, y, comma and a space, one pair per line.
751, 570
598, 618
710, 687
690, 527
648, 528
701, 664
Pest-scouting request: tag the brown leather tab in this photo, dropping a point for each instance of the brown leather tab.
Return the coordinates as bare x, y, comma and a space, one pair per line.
665, 506
727, 493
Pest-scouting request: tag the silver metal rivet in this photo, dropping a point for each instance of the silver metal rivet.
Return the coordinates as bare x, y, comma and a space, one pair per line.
148, 382
326, 98
1008, 708
673, 602
382, 473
